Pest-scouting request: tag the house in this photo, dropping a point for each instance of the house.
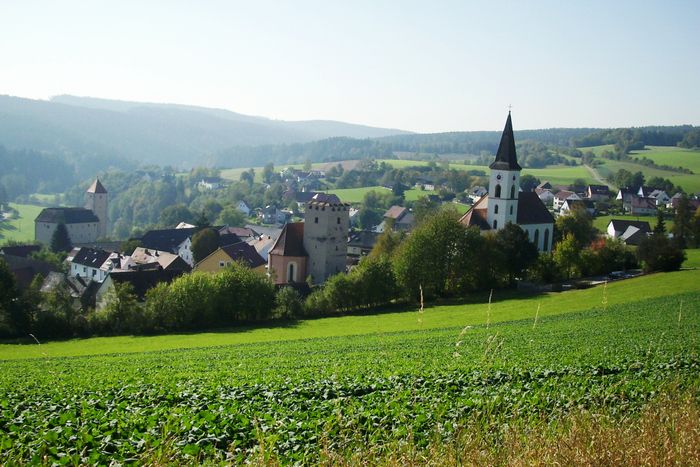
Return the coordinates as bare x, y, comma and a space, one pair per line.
597, 192
81, 290
89, 264
141, 281
354, 215
545, 185
629, 231
625, 195
640, 206
361, 243
673, 202
243, 207
272, 215
224, 256
425, 184
644, 191
505, 203
562, 196
22, 251
316, 247
660, 196
210, 183
176, 241
570, 205
477, 192
145, 258
398, 218
545, 195
25, 269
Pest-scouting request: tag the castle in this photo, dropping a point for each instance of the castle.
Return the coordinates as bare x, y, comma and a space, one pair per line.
505, 202
84, 225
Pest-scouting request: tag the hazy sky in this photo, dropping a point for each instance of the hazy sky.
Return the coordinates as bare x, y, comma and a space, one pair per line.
422, 66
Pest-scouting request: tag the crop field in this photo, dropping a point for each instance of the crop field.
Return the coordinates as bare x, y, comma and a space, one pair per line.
22, 228
293, 399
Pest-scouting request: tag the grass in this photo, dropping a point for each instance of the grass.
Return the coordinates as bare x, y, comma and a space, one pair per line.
505, 308
692, 259
356, 195
666, 155
20, 229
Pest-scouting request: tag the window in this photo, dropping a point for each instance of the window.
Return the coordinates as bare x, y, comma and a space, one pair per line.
290, 272
316, 220
511, 210
495, 224
512, 192
545, 247
495, 209
221, 264
339, 220
537, 237
497, 193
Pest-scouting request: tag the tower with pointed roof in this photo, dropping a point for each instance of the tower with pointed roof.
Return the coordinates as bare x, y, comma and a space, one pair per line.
505, 202
97, 202
504, 184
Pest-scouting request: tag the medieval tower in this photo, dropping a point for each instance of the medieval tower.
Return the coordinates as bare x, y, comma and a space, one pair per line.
326, 223
504, 183
96, 201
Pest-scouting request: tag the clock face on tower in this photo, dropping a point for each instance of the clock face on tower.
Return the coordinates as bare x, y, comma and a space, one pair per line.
498, 177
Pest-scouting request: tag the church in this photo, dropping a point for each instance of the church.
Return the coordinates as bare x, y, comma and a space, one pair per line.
84, 225
505, 202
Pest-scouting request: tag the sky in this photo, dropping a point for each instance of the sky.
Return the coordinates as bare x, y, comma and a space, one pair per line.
427, 66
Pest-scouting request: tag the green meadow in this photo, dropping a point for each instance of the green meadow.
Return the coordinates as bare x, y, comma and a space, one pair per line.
20, 229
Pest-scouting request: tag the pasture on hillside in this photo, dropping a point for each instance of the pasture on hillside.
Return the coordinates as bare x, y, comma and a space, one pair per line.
362, 384
356, 195
20, 229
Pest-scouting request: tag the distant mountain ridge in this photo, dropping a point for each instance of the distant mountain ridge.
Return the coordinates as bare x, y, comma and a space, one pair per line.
163, 134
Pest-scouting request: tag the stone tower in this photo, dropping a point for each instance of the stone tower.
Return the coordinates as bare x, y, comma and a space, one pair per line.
326, 223
504, 184
96, 201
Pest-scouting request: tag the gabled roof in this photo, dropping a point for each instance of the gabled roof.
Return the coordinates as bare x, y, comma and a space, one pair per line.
564, 194
478, 214
66, 216
291, 241
166, 239
241, 232
23, 251
545, 185
244, 252
395, 212
598, 189
97, 187
647, 203
163, 259
363, 239
633, 235
531, 210
506, 158
90, 257
645, 191
143, 280
621, 225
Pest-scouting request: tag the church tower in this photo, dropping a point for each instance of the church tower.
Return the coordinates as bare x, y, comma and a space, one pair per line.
96, 201
504, 183
326, 223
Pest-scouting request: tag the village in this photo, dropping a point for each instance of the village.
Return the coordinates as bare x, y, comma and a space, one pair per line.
303, 247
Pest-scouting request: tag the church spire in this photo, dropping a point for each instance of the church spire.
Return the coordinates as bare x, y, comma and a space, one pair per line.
506, 158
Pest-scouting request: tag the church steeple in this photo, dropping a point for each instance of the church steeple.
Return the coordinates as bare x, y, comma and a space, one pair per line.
506, 159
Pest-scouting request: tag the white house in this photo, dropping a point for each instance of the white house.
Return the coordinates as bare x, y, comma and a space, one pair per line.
570, 204
629, 231
89, 263
243, 207
545, 195
562, 196
660, 196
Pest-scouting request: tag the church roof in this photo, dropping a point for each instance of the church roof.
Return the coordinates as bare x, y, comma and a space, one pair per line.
478, 214
97, 187
290, 241
66, 216
506, 158
531, 210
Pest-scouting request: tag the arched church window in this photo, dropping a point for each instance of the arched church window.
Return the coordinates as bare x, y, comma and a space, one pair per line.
495, 209
495, 224
512, 192
511, 210
497, 193
546, 240
290, 272
537, 236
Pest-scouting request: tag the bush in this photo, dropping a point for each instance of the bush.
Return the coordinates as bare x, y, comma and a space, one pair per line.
658, 253
288, 304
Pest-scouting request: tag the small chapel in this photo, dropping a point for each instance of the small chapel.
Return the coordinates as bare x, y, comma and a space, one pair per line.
505, 202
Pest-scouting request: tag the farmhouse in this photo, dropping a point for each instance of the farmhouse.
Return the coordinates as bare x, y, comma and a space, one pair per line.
629, 231
506, 203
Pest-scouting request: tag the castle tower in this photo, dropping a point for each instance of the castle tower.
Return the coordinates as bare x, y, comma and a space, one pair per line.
326, 222
96, 201
504, 183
